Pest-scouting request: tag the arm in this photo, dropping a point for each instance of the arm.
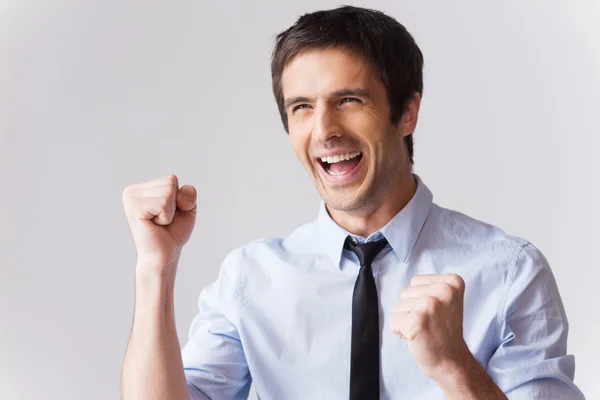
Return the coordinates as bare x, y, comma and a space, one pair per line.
212, 365
153, 367
531, 360
213, 358
161, 217
429, 316
469, 381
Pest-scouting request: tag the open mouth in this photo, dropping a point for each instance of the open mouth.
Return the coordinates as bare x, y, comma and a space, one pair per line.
340, 164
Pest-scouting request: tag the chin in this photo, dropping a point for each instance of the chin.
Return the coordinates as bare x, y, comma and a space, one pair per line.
346, 202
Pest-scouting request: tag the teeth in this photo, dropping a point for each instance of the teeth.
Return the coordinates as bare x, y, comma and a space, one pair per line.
340, 157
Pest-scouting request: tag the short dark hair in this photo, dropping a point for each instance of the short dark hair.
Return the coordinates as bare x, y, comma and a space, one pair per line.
381, 40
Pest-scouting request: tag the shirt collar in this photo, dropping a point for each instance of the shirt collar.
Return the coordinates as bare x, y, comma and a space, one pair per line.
401, 231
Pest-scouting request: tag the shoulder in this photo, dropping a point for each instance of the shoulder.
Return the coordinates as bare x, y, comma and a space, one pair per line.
450, 227
254, 265
452, 239
262, 252
499, 260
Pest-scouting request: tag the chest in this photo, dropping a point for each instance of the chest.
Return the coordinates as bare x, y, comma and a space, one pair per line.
296, 332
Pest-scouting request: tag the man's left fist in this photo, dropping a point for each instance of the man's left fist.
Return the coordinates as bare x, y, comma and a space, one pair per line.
430, 316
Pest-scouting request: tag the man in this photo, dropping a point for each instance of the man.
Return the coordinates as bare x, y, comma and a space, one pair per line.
386, 295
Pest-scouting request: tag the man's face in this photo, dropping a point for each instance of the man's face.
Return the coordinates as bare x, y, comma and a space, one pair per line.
338, 108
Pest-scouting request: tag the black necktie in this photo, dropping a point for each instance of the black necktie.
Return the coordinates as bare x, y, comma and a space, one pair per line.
364, 355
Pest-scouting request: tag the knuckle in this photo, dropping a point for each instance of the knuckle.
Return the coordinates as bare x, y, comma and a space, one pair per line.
432, 304
457, 281
446, 291
172, 180
127, 194
170, 193
420, 321
165, 202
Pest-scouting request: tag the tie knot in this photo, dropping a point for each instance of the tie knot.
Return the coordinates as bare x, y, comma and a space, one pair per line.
366, 252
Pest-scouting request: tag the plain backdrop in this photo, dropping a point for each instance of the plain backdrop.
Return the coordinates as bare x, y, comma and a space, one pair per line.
96, 95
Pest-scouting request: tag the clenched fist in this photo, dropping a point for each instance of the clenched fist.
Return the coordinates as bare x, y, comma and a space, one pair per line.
430, 316
161, 217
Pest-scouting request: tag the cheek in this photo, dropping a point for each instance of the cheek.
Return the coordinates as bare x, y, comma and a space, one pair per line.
300, 142
366, 118
301, 125
300, 129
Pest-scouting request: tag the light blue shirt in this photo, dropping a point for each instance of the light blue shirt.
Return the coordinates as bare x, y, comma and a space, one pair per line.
279, 313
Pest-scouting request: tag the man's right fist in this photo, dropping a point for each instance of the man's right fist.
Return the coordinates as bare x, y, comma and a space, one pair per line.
161, 217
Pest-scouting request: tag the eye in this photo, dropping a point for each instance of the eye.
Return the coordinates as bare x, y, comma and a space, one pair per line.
299, 107
349, 100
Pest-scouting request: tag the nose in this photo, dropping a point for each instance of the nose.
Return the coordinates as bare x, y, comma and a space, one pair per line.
326, 123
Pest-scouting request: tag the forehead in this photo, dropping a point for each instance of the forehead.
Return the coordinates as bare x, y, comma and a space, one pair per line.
318, 72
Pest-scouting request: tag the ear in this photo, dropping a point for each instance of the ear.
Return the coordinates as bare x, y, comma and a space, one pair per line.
411, 115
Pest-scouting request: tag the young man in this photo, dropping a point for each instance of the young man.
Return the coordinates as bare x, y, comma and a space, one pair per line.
386, 295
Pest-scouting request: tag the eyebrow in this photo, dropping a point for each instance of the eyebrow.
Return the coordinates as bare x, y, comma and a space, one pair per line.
338, 93
294, 100
352, 92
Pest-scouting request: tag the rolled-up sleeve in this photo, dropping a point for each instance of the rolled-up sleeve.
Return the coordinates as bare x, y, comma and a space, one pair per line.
531, 360
213, 358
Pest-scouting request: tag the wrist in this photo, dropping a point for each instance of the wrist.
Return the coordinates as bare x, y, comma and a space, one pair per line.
453, 373
465, 378
454, 367
151, 282
154, 289
154, 272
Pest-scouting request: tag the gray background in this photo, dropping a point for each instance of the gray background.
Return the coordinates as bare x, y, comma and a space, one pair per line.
95, 95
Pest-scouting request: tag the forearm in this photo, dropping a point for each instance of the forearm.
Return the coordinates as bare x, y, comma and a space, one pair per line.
153, 368
469, 381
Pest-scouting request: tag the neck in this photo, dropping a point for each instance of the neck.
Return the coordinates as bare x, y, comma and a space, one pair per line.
364, 222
